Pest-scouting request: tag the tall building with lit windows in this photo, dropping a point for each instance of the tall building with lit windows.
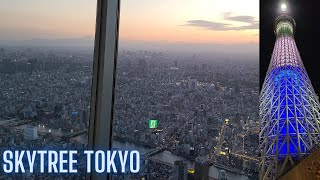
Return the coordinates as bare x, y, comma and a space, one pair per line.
289, 107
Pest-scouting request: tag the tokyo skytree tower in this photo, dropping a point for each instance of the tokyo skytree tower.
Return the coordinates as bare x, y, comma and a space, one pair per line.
289, 107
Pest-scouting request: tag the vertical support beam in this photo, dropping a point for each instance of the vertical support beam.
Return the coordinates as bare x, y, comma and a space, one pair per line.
104, 74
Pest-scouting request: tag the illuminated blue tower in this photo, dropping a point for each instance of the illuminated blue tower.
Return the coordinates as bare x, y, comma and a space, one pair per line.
289, 107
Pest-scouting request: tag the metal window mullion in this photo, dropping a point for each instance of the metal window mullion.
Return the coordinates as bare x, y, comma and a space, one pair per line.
103, 81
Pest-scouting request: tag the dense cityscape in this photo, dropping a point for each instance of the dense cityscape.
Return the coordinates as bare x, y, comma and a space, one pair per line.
207, 110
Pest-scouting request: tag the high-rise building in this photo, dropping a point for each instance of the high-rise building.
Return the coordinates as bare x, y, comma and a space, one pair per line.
180, 170
202, 168
193, 83
289, 108
30, 133
84, 115
2, 53
176, 64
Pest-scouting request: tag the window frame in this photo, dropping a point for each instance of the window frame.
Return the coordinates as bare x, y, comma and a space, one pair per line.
103, 77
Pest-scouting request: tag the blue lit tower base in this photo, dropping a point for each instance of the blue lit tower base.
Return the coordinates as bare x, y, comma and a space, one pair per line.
289, 107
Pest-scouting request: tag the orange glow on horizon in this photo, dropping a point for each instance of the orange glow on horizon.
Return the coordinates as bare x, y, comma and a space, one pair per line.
195, 36
140, 20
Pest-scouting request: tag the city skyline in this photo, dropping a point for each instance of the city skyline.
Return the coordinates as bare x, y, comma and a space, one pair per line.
190, 99
190, 65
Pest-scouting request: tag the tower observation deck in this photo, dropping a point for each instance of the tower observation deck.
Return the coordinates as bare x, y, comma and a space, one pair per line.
289, 106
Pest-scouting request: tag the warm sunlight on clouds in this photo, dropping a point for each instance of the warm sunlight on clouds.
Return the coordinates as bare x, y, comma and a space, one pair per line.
209, 21
215, 21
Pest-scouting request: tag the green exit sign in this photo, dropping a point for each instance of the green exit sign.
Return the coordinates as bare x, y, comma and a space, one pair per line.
153, 123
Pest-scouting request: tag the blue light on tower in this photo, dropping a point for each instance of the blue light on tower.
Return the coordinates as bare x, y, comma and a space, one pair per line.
289, 108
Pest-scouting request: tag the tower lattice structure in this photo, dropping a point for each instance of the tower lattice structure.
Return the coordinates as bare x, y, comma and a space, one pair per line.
289, 106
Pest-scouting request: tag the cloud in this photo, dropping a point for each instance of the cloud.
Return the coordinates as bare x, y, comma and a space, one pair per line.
251, 26
246, 19
207, 24
218, 26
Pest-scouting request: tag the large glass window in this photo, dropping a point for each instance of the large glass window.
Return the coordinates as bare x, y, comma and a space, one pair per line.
46, 58
187, 88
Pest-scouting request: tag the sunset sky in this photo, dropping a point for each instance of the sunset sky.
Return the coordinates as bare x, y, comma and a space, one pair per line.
191, 21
